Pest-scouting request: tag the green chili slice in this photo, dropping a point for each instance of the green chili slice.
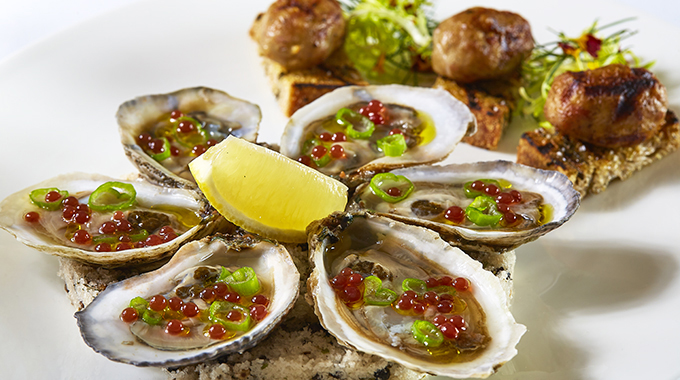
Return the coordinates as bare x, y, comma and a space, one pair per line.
357, 126
199, 136
139, 304
112, 239
220, 309
243, 281
112, 196
224, 273
427, 334
151, 317
375, 294
382, 182
418, 286
392, 145
470, 193
483, 211
37, 197
165, 153
323, 161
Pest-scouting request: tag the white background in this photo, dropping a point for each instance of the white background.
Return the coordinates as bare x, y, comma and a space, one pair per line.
600, 296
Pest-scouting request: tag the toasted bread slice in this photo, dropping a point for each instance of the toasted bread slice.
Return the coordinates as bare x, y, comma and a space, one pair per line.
491, 102
591, 168
295, 89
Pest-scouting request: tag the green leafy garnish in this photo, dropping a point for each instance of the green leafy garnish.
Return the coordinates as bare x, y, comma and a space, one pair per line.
588, 51
389, 40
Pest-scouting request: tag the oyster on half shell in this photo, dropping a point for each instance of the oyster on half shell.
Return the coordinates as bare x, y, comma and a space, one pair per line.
213, 113
548, 201
432, 121
185, 211
397, 253
143, 344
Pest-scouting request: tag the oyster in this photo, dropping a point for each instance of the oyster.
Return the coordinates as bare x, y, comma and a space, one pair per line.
107, 239
546, 200
431, 122
206, 117
197, 264
482, 333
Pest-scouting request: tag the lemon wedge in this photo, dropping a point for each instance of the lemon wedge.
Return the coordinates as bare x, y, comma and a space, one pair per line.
265, 192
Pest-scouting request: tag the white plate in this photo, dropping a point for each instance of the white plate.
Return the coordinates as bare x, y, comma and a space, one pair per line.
599, 295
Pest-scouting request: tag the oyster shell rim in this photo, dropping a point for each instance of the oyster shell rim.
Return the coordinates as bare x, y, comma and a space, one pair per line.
479, 239
319, 231
328, 104
152, 170
114, 258
244, 342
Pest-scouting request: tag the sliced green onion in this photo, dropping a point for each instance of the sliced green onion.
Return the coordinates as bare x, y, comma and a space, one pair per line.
386, 181
139, 236
243, 281
220, 309
414, 284
444, 290
357, 126
139, 304
37, 197
483, 211
112, 196
165, 153
427, 334
151, 317
375, 294
392, 145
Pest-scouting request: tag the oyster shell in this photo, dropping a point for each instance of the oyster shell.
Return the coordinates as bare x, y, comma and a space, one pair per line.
393, 251
219, 113
436, 120
439, 187
104, 331
186, 210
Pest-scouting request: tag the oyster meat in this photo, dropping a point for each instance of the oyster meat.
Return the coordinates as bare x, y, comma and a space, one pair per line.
152, 226
455, 321
150, 340
525, 204
356, 131
161, 134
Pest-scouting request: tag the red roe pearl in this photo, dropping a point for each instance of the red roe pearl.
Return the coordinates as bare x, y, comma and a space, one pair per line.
351, 294
118, 215
81, 237
394, 192
108, 227
449, 330
454, 214
232, 297
220, 289
260, 299
337, 151
198, 150
52, 196
153, 240
461, 284
355, 279
258, 312
176, 114
325, 136
32, 217
158, 302
319, 151
70, 201
103, 247
190, 309
306, 160
124, 246
129, 315
338, 137
174, 327
175, 303
446, 281
234, 315
217, 331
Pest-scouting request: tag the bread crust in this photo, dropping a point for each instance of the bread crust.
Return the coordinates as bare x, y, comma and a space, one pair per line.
591, 168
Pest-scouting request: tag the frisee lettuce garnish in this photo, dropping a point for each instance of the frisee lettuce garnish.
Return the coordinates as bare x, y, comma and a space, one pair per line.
588, 51
389, 41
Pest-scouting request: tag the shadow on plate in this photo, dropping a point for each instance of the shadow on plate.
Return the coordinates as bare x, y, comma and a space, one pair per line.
555, 279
